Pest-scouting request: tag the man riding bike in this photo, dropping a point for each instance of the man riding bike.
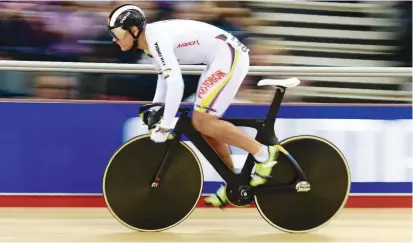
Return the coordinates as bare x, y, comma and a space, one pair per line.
173, 42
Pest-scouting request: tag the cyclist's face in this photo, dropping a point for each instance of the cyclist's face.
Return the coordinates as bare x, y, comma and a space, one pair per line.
126, 43
122, 38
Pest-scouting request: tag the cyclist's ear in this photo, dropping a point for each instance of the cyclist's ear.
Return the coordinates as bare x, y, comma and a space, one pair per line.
135, 30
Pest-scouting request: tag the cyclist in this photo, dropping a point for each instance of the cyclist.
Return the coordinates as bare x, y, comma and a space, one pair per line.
173, 42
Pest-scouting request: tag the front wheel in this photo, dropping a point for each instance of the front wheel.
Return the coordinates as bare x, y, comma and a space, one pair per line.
128, 178
327, 172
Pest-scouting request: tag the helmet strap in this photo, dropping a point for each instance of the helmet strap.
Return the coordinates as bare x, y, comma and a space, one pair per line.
135, 39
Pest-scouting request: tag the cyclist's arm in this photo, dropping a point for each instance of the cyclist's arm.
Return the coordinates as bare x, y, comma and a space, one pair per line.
160, 92
163, 54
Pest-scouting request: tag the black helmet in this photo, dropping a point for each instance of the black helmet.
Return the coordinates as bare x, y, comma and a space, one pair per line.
123, 18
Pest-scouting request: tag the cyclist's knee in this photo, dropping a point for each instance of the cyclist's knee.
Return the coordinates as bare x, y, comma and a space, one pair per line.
202, 121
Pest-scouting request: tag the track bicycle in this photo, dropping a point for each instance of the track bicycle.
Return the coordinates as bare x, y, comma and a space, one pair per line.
151, 186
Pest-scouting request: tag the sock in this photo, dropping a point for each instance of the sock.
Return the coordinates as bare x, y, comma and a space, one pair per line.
262, 155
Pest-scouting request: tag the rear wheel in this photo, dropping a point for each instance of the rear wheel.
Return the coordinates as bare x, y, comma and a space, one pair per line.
327, 172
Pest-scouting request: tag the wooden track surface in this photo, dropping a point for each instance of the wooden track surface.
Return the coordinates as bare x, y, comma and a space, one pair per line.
213, 225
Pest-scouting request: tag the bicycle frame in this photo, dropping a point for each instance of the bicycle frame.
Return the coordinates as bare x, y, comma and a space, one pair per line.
265, 135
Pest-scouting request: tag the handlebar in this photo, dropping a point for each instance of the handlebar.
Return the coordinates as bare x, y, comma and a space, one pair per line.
148, 106
155, 116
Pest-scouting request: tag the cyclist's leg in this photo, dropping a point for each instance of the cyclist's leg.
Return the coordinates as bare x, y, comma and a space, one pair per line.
214, 95
222, 150
219, 147
213, 98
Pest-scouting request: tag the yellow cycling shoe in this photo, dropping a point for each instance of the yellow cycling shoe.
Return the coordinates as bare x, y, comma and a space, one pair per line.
263, 169
219, 199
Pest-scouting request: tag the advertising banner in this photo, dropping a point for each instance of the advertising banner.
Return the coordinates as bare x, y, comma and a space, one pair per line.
53, 149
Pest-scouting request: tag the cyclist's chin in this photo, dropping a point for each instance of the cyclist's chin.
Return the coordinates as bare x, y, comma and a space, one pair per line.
124, 47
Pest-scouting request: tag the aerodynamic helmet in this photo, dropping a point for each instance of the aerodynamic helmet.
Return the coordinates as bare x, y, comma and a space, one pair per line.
123, 18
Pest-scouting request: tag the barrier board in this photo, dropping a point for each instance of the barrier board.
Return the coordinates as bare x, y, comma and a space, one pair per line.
54, 154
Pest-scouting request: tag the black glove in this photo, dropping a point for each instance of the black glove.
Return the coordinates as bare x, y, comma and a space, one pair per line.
152, 116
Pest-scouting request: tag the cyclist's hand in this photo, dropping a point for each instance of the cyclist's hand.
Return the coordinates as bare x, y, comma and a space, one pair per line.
151, 117
159, 135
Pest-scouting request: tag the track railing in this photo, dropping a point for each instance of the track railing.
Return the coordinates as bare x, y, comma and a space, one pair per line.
379, 72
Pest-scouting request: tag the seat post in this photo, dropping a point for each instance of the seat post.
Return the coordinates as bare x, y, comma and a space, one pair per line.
275, 104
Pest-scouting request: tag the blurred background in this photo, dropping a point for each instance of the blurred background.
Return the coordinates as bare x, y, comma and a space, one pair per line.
278, 33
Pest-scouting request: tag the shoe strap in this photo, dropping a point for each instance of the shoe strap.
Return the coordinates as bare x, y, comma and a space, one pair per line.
263, 176
220, 199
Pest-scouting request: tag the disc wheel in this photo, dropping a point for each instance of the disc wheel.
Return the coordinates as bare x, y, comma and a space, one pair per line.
327, 172
127, 185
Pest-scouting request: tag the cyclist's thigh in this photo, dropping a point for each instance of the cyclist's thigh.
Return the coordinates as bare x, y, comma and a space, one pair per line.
220, 82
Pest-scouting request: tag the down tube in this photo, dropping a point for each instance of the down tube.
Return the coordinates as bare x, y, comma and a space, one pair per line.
212, 157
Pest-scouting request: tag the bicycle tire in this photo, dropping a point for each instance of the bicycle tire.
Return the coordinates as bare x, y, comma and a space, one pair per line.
127, 179
302, 212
